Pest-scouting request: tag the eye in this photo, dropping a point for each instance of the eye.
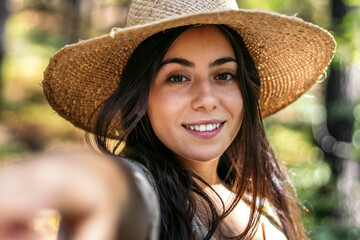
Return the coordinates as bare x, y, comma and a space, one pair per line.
177, 78
226, 76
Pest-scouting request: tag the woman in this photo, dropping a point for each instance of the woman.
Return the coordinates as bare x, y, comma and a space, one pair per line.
183, 90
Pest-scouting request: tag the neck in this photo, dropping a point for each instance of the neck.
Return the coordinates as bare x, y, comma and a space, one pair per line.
206, 170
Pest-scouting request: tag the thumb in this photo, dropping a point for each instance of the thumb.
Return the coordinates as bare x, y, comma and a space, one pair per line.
94, 228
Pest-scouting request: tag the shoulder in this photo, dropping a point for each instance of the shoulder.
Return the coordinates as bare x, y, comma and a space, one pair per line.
270, 223
141, 174
270, 231
145, 186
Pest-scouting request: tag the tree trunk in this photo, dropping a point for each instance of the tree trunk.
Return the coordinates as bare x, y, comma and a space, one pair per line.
340, 125
3, 16
72, 25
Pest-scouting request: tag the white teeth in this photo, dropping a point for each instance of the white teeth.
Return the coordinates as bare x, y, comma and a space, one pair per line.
203, 127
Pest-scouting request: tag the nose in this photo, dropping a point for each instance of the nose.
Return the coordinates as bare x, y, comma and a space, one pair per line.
204, 95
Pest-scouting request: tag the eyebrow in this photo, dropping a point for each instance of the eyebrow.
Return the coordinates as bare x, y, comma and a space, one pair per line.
222, 61
187, 63
180, 61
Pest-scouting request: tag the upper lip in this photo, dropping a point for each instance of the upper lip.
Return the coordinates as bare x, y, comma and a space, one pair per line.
204, 122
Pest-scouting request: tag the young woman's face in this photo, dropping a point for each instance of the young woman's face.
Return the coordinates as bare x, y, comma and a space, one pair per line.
195, 105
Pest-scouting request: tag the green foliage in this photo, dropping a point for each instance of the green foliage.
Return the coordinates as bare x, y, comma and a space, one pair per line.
356, 136
309, 10
333, 230
26, 116
294, 144
347, 36
11, 149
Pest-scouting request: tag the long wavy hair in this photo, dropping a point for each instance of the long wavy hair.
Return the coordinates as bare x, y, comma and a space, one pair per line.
249, 165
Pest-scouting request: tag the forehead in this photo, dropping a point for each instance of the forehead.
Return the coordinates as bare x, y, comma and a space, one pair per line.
207, 39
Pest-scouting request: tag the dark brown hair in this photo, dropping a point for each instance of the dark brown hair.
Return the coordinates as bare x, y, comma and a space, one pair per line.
248, 165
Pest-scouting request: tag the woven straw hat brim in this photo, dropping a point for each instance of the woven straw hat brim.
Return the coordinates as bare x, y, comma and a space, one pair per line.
289, 54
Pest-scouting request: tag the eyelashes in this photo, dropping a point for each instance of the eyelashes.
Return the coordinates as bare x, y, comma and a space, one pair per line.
226, 76
179, 78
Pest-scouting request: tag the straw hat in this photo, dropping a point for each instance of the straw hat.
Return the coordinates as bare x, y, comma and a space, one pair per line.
289, 54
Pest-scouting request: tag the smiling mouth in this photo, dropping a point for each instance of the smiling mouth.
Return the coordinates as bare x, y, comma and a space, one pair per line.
204, 127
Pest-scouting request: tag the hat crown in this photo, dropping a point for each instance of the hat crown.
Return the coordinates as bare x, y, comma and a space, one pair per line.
149, 11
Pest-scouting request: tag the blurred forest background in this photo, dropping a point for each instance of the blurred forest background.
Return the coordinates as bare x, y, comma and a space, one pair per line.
317, 137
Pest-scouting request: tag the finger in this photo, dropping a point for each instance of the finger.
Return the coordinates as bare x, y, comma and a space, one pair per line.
16, 199
17, 231
94, 228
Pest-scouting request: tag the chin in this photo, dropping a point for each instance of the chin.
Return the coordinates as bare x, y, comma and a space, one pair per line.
201, 158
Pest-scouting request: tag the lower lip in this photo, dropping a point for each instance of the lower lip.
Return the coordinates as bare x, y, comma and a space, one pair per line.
205, 134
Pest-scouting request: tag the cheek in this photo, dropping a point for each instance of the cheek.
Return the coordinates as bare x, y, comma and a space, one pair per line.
234, 103
162, 105
163, 111
239, 107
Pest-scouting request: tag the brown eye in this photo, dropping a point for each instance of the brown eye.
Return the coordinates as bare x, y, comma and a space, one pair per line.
224, 76
177, 78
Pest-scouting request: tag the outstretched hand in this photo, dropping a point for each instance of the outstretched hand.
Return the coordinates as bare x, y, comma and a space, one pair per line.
88, 189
